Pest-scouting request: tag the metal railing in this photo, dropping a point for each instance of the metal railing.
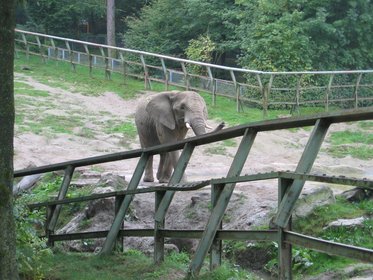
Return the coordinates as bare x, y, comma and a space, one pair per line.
290, 185
261, 89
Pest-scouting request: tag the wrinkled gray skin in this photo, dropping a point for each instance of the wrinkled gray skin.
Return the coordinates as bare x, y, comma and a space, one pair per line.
161, 118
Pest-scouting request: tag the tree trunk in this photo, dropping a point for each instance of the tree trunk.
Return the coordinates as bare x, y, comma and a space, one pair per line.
8, 263
110, 25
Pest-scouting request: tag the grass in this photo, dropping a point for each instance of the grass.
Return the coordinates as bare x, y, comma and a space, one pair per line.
357, 144
132, 265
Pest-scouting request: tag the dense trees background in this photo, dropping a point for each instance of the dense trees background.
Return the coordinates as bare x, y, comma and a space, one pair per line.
256, 34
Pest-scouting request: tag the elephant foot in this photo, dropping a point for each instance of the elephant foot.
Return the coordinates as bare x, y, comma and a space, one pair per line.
164, 180
148, 179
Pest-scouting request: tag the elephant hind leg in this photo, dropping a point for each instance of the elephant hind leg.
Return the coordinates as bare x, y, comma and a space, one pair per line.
148, 177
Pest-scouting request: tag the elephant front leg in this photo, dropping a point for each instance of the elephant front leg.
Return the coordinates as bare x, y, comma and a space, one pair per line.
148, 177
164, 169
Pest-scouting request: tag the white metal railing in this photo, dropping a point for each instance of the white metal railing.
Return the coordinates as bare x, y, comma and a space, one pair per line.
263, 89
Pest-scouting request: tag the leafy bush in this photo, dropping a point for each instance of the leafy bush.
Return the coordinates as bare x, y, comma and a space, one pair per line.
30, 248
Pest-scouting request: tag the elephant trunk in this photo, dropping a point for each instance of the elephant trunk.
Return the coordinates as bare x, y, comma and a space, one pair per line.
198, 126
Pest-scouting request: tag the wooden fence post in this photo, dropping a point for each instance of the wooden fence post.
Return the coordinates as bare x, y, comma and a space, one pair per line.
118, 202
356, 90
284, 249
217, 245
158, 240
69, 171
328, 92
166, 78
146, 72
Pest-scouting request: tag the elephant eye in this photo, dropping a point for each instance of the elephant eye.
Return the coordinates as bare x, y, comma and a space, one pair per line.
182, 107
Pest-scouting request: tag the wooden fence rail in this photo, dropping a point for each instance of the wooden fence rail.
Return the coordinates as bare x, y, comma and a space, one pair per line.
327, 89
290, 185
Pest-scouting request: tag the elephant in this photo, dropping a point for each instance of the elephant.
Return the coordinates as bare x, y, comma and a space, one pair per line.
165, 117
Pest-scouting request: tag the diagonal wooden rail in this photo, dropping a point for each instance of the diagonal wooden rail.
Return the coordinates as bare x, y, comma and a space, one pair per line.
290, 186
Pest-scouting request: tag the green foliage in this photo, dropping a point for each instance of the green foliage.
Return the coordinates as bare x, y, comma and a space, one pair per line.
30, 248
200, 49
61, 17
302, 35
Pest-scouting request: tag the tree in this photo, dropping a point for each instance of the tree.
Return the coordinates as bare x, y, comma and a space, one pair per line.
8, 264
110, 24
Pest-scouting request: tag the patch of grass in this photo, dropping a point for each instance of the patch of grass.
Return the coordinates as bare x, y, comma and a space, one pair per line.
132, 265
127, 128
349, 137
360, 152
60, 74
357, 144
366, 125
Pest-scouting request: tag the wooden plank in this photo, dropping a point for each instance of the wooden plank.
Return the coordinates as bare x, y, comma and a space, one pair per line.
217, 245
284, 249
69, 171
222, 203
304, 166
159, 217
115, 227
329, 247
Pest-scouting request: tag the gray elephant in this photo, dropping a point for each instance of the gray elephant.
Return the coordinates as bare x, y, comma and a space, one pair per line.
165, 118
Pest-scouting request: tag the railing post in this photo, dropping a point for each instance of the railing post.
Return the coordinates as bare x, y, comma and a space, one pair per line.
237, 90
124, 64
328, 92
89, 59
284, 249
164, 68
213, 85
69, 171
356, 90
162, 207
49, 213
186, 76
106, 58
71, 53
222, 203
115, 227
118, 202
158, 240
266, 92
297, 95
40, 48
217, 245
146, 73
304, 166
27, 46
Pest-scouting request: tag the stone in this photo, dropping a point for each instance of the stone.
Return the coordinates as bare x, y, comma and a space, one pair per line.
355, 195
346, 223
311, 199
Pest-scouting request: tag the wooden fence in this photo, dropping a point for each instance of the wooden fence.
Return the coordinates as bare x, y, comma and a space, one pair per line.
327, 89
290, 185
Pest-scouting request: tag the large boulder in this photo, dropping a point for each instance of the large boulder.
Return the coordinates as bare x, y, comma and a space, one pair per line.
311, 198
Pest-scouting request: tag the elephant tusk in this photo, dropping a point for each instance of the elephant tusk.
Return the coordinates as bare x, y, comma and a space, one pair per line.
188, 125
208, 127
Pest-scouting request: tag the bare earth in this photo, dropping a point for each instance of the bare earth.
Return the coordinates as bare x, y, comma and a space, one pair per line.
90, 119
94, 115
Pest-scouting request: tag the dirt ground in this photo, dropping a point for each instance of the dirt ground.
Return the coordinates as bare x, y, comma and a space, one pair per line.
90, 118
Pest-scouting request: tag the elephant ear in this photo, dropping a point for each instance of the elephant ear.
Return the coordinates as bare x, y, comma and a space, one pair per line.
159, 108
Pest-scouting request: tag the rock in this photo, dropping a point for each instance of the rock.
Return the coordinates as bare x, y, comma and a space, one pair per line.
100, 205
311, 199
115, 181
346, 223
355, 195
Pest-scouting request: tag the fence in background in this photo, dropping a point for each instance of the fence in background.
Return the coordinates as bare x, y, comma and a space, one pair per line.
290, 185
260, 89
